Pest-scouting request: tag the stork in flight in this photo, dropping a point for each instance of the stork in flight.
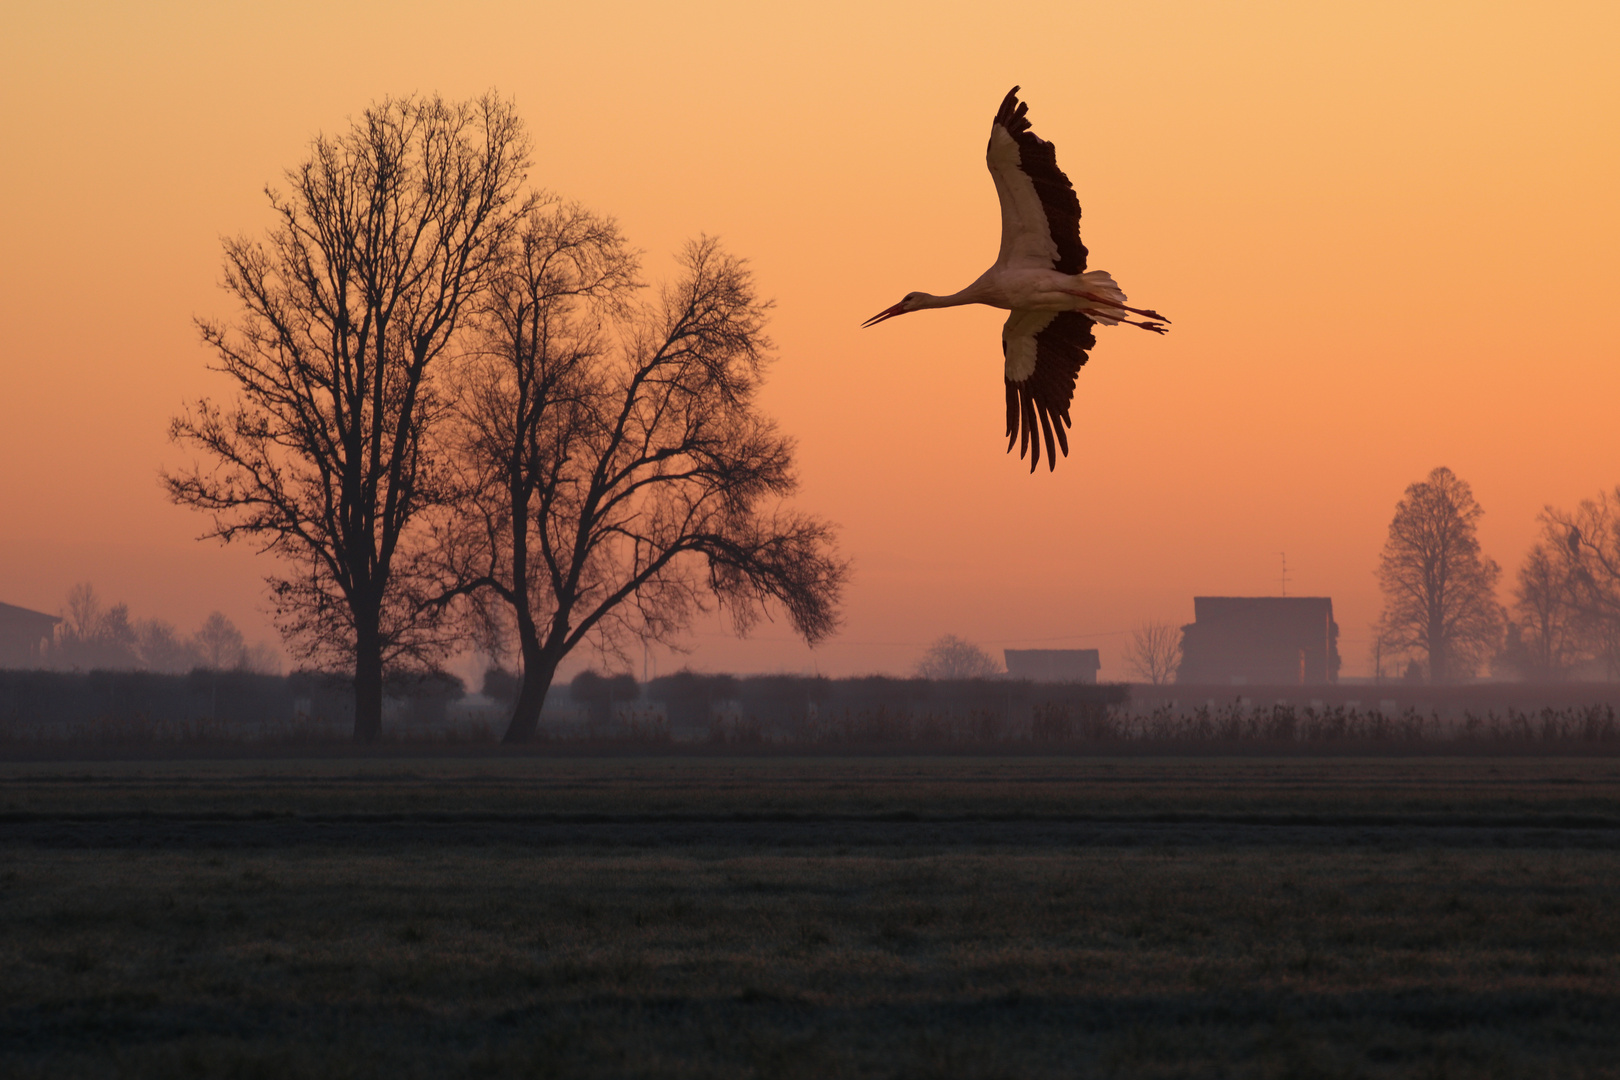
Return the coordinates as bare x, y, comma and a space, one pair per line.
1040, 276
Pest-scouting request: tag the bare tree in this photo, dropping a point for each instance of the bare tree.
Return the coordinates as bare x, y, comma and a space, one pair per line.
1585, 545
1155, 652
1377, 646
1439, 591
617, 474
951, 657
325, 459
91, 636
1549, 624
162, 648
218, 644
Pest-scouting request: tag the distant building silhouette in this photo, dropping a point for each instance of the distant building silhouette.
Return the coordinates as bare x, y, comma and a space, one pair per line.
23, 635
1053, 665
1270, 640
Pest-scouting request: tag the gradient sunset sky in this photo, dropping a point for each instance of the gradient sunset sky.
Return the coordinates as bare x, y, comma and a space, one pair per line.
1388, 234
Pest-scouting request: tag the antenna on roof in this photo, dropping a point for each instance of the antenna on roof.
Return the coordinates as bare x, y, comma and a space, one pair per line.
1284, 555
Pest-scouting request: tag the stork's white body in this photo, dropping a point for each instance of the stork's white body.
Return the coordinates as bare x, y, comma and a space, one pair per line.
1039, 276
1037, 290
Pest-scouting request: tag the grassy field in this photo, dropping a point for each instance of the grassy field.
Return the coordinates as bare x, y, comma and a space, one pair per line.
876, 917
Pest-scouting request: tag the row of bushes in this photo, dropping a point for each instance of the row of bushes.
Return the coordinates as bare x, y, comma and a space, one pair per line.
36, 699
131, 708
1583, 730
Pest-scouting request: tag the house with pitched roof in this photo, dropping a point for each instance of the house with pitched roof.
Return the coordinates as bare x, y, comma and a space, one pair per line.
1263, 640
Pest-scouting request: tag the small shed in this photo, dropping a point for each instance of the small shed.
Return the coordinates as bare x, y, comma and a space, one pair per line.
1053, 665
24, 635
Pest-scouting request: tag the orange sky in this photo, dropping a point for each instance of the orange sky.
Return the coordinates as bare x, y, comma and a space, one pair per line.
1386, 232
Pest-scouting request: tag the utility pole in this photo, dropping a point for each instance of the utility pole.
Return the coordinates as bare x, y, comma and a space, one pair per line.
1284, 555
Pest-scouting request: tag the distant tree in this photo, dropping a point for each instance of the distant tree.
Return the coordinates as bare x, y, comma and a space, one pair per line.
162, 649
1155, 652
1378, 648
262, 658
617, 475
1548, 629
1439, 591
499, 685
951, 657
218, 644
389, 234
1584, 544
92, 637
600, 693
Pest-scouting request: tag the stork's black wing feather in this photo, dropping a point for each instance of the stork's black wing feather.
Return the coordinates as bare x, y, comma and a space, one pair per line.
1061, 350
1038, 161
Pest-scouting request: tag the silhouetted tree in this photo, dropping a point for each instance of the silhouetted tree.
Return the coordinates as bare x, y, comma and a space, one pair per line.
387, 235
1585, 545
1155, 652
617, 475
1548, 626
1439, 591
951, 657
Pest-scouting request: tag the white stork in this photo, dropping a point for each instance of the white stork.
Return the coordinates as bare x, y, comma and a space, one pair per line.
1040, 276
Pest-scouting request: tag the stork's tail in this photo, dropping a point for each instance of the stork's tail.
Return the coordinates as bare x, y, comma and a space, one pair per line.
1101, 285
1108, 303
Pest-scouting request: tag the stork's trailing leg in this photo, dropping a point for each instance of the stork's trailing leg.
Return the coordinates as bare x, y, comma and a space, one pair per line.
1105, 301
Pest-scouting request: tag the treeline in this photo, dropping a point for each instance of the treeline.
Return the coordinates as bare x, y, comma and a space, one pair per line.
97, 637
46, 705
1442, 620
689, 712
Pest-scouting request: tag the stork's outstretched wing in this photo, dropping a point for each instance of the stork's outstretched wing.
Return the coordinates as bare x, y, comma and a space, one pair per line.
1040, 214
1044, 352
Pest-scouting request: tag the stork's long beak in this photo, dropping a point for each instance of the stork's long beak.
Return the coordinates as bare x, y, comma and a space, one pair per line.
886, 313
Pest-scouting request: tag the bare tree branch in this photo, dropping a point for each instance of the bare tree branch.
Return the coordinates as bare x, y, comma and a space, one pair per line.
951, 657
388, 236
617, 477
1155, 652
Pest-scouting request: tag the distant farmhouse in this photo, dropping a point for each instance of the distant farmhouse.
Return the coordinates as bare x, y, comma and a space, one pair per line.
23, 636
1267, 640
1053, 665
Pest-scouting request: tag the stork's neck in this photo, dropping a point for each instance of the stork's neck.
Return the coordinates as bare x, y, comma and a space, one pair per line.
980, 292
973, 294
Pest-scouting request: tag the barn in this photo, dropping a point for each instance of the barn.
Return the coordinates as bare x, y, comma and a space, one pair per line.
24, 635
1265, 640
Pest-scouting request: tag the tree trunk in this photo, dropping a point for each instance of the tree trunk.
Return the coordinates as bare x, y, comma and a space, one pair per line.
539, 669
368, 683
1439, 662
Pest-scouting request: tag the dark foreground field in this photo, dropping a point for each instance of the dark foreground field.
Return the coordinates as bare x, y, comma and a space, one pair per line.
1017, 918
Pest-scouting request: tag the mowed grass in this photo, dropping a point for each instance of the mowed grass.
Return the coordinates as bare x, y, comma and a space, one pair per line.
1409, 790
319, 946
